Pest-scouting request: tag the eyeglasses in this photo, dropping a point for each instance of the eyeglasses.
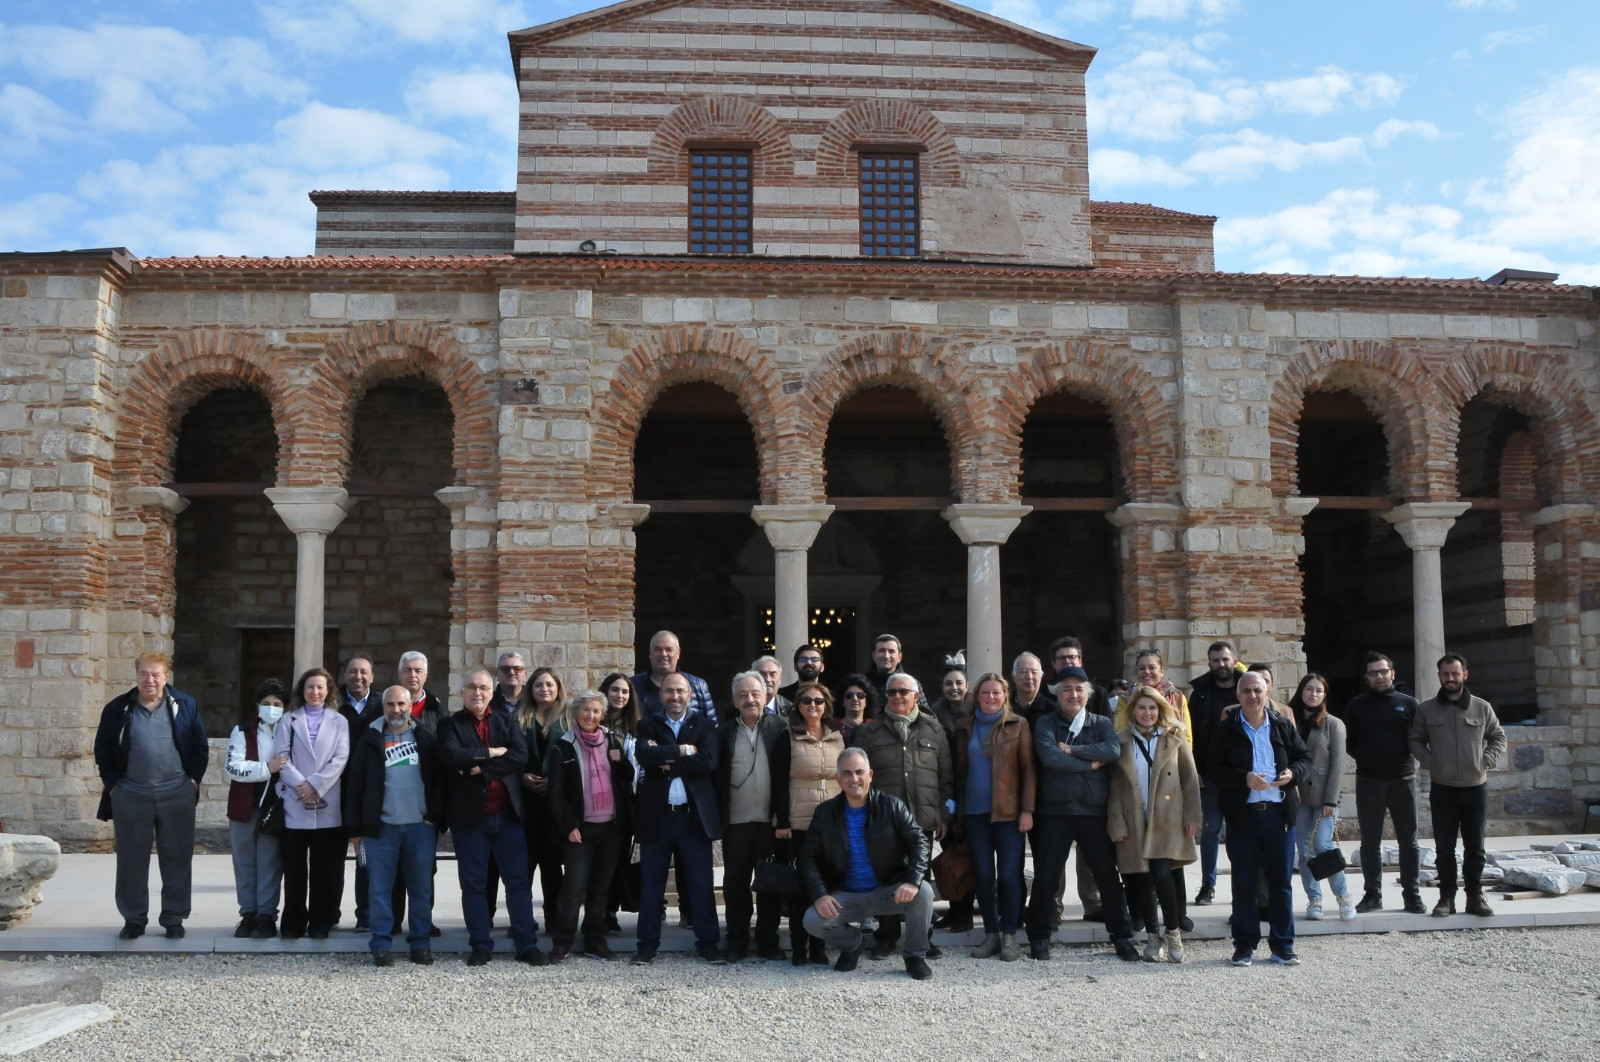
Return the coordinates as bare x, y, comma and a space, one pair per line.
812, 700
901, 691
853, 695
512, 669
1380, 671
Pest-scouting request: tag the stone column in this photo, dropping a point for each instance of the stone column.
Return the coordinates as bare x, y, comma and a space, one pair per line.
1424, 526
311, 513
983, 529
791, 529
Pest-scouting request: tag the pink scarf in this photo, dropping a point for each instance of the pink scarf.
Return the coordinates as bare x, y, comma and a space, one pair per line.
593, 749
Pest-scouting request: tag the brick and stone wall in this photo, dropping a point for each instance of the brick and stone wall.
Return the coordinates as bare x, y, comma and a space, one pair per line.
385, 224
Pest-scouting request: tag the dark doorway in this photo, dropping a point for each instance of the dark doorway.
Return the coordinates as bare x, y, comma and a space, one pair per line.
388, 565
1060, 566
1488, 560
235, 558
888, 474
695, 446
1357, 569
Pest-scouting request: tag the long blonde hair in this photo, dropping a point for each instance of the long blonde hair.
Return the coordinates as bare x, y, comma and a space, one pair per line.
1166, 715
1005, 707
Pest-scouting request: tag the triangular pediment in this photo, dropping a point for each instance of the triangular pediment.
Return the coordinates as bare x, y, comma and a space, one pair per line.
983, 24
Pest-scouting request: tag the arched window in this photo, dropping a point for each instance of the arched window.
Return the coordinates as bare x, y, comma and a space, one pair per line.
719, 200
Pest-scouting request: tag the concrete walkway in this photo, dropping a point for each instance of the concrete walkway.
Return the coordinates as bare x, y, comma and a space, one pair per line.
78, 916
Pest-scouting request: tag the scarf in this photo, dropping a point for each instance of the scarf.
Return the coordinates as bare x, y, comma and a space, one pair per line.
902, 723
593, 748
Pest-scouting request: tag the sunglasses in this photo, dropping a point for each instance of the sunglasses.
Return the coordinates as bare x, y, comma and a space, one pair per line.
812, 700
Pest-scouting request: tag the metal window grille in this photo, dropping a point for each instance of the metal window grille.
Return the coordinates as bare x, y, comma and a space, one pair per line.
889, 205
719, 202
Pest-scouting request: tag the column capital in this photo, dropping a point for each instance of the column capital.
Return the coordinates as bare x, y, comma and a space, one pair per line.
625, 514
791, 527
1550, 514
162, 497
1424, 525
310, 509
458, 498
1297, 506
1145, 513
985, 525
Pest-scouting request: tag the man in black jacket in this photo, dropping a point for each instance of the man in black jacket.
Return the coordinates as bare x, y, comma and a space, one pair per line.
866, 855
393, 802
483, 752
1256, 759
677, 814
1210, 695
744, 791
1378, 724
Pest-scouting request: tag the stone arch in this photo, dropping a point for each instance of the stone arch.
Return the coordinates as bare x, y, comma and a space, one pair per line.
383, 350
686, 355
1566, 436
184, 369
721, 119
889, 123
899, 359
1088, 368
1417, 421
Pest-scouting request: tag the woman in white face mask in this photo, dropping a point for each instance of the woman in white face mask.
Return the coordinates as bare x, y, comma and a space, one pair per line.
257, 870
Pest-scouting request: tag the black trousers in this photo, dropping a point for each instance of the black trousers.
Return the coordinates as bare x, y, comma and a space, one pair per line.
1053, 837
743, 846
545, 849
1459, 810
313, 878
586, 882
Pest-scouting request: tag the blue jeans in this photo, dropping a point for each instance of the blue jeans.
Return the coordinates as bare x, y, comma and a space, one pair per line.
1210, 833
1258, 843
996, 849
680, 833
502, 835
1314, 834
405, 852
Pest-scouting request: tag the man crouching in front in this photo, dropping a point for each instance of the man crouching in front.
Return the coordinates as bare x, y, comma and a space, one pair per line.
866, 855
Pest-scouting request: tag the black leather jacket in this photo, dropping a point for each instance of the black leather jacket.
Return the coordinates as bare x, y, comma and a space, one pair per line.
896, 845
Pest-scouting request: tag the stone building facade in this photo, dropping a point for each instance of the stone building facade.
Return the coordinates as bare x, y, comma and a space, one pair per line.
536, 420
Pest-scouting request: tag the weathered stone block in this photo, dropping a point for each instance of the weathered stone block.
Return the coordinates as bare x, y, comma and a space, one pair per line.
26, 863
1527, 757
1539, 805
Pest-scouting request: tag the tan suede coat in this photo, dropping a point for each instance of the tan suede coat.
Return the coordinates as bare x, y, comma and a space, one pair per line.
1174, 802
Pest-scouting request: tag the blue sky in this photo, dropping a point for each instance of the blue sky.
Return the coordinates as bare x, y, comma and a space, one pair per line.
1405, 138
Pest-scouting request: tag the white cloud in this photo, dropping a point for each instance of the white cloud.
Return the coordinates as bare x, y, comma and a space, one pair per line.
1062, 20
1509, 37
1207, 10
1115, 168
1482, 5
251, 198
27, 118
1549, 188
1392, 129
26, 223
1241, 155
148, 78
1152, 96
334, 26
1330, 88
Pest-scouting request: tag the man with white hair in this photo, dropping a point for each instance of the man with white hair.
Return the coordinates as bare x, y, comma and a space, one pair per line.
427, 709
771, 673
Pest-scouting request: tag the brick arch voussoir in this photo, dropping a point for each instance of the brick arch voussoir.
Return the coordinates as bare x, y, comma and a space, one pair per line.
1146, 441
1566, 435
888, 122
911, 361
688, 355
1419, 422
167, 383
378, 351
721, 118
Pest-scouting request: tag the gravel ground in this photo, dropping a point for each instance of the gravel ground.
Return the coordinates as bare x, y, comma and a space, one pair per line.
1477, 994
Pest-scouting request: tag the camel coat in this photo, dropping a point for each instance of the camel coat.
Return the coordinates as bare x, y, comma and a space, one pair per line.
1174, 803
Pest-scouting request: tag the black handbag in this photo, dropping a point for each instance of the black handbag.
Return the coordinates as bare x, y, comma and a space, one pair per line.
777, 877
270, 822
1325, 865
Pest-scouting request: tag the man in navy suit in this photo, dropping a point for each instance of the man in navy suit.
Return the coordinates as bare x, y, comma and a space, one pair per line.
677, 814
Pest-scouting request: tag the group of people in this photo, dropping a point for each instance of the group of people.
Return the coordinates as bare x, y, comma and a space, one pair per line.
829, 802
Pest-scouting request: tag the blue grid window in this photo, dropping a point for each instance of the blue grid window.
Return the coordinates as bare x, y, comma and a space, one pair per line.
719, 202
889, 208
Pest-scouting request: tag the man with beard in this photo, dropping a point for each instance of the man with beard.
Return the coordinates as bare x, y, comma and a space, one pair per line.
808, 665
1209, 696
1457, 737
1379, 724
